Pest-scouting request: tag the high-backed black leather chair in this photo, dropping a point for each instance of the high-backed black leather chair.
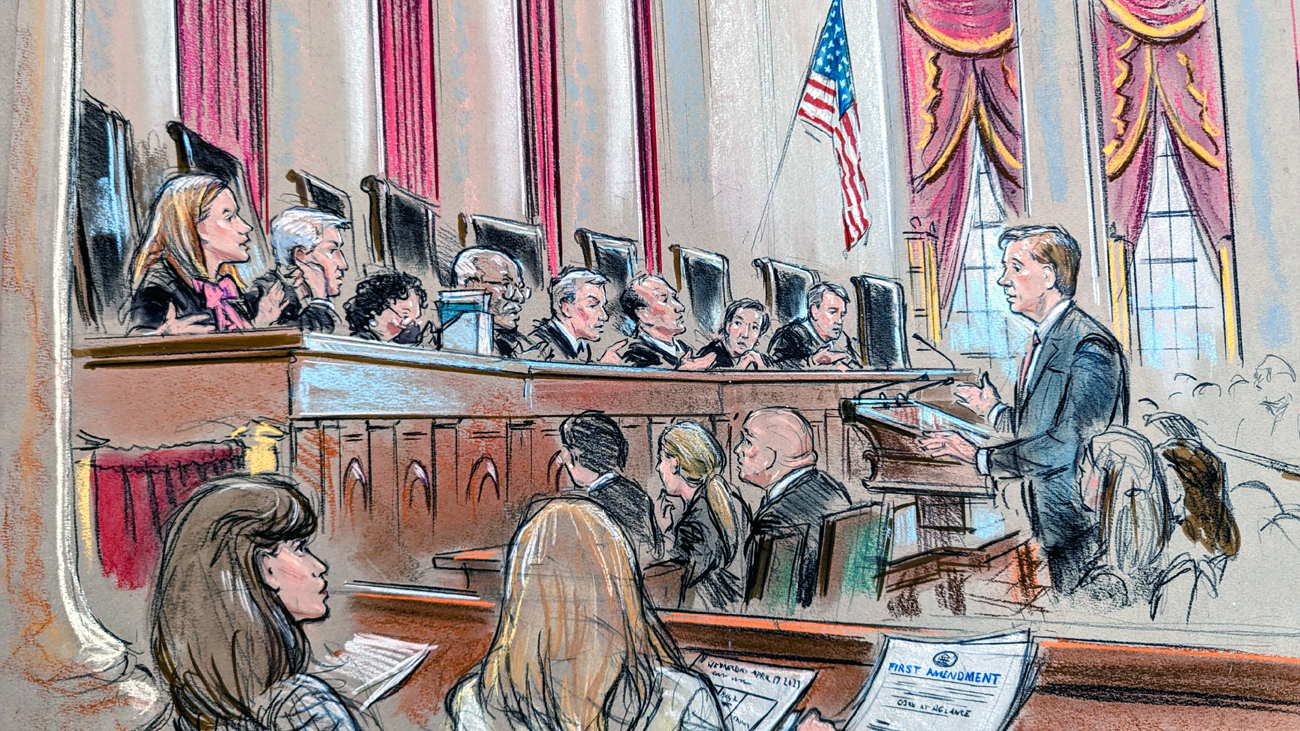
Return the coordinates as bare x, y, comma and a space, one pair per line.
403, 231
316, 193
613, 257
525, 242
106, 224
705, 278
785, 289
882, 317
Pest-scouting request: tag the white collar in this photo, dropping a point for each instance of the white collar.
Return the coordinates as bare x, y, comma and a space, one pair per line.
574, 343
675, 350
601, 481
782, 484
323, 301
1052, 318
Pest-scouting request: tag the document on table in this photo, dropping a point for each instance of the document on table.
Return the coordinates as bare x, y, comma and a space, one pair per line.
754, 697
975, 685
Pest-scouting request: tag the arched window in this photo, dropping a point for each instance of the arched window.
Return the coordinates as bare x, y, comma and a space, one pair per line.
1176, 290
980, 325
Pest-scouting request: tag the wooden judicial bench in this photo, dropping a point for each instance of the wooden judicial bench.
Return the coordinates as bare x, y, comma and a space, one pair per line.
421, 463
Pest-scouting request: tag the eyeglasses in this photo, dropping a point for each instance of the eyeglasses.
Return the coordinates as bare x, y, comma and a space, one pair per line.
509, 286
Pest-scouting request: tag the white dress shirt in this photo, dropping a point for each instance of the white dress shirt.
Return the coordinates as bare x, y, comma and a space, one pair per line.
780, 485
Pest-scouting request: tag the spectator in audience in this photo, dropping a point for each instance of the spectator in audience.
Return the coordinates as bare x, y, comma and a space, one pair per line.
744, 322
577, 320
308, 247
389, 307
1125, 496
183, 274
236, 584
502, 278
811, 342
594, 452
652, 305
1201, 507
577, 644
775, 453
709, 538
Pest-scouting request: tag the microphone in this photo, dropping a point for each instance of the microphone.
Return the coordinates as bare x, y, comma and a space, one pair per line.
891, 384
930, 347
922, 387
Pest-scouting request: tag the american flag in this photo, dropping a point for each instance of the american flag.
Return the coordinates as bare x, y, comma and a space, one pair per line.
828, 105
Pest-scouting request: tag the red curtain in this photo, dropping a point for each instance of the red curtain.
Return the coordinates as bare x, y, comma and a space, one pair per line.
961, 83
647, 137
221, 55
136, 491
1159, 64
410, 112
541, 118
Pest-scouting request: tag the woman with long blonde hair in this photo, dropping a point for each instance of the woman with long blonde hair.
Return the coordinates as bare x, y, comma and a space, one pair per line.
577, 646
183, 273
710, 536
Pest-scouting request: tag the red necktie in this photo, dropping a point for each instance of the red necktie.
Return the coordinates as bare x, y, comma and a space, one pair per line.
1029, 358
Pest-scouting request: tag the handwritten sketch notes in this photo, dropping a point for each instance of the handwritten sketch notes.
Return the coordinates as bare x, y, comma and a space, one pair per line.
976, 684
369, 667
754, 697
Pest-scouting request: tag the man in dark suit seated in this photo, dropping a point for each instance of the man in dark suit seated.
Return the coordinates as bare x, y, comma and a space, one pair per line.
501, 277
577, 318
310, 267
652, 304
594, 452
775, 453
811, 343
1073, 386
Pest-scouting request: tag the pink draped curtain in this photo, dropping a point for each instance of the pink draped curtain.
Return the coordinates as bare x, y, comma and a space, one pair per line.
1159, 64
410, 112
221, 54
540, 101
647, 138
961, 88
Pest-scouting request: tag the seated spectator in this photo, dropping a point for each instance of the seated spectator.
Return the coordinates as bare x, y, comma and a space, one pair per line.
236, 584
311, 264
744, 322
577, 644
183, 274
577, 318
594, 452
709, 538
501, 277
1203, 510
1125, 494
652, 305
814, 342
775, 453
389, 307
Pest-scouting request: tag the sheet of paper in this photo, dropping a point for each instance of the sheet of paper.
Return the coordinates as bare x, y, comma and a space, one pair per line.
927, 685
371, 666
754, 697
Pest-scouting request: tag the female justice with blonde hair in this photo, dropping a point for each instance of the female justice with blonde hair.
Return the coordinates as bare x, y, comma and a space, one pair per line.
235, 583
576, 645
711, 533
183, 274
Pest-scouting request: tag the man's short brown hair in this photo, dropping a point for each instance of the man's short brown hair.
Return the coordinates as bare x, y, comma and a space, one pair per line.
1054, 247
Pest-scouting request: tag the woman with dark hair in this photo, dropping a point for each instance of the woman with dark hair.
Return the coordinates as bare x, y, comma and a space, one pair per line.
709, 538
389, 307
183, 274
744, 322
235, 586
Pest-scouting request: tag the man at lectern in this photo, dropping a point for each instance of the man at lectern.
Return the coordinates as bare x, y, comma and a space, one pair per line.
1073, 385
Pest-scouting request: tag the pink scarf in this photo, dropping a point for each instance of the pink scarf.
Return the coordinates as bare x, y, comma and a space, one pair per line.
217, 296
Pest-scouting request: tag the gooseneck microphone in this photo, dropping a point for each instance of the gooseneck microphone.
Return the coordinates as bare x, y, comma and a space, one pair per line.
930, 347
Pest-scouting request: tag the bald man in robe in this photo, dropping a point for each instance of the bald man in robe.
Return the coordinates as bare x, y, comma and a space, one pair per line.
775, 453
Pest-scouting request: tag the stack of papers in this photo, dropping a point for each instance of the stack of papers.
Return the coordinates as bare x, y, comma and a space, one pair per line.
977, 684
754, 697
369, 667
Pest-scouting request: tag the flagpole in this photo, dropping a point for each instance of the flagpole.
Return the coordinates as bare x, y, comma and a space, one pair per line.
794, 119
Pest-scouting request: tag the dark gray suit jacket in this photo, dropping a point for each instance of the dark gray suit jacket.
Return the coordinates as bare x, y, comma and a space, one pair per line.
1079, 387
799, 508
